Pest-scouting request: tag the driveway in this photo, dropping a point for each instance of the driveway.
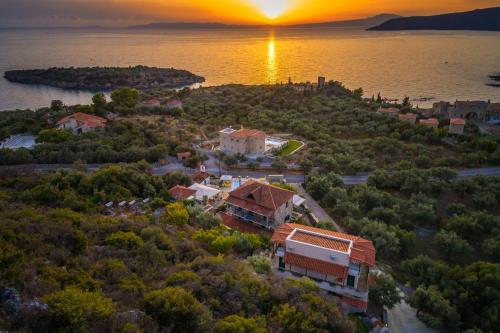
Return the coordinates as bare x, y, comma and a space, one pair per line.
316, 209
402, 318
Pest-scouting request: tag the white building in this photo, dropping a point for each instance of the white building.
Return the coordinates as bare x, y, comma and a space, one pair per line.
204, 193
339, 263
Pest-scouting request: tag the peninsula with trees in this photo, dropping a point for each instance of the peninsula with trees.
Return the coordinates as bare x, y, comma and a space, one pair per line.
106, 78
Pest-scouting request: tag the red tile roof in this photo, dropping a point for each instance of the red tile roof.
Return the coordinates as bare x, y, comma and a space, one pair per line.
259, 198
323, 241
247, 133
174, 102
237, 224
181, 193
84, 119
457, 121
408, 116
355, 302
327, 268
431, 121
152, 101
362, 250
200, 176
388, 110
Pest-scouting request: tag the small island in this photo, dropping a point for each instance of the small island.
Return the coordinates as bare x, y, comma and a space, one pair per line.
106, 78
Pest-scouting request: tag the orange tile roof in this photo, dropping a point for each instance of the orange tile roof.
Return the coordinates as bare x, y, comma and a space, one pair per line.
259, 197
362, 250
237, 224
319, 240
320, 266
181, 192
200, 176
84, 119
457, 121
356, 302
246, 133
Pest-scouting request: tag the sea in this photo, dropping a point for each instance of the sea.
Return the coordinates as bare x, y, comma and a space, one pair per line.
428, 66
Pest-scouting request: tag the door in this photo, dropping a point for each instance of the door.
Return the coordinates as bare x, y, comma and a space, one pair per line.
281, 263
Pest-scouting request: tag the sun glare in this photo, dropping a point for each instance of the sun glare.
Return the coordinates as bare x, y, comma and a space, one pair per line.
272, 9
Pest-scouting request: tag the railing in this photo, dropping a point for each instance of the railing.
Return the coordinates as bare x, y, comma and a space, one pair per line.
250, 217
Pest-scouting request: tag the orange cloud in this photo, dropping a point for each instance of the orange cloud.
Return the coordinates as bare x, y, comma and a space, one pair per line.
124, 12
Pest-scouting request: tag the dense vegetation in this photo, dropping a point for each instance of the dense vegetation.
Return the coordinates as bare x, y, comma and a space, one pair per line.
343, 133
105, 78
172, 267
68, 268
438, 232
127, 139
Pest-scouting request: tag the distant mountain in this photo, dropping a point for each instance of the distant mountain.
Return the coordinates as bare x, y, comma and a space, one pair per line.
185, 25
365, 22
479, 19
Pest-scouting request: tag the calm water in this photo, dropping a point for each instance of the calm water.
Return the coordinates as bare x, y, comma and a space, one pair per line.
439, 65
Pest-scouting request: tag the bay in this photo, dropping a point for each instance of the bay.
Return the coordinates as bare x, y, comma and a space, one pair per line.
428, 66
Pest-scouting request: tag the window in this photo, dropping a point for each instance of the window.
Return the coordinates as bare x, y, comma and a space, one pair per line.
351, 280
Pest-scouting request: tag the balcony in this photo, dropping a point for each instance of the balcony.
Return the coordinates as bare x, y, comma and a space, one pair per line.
250, 216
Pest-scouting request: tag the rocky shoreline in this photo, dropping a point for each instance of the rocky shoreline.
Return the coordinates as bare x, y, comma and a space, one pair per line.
106, 78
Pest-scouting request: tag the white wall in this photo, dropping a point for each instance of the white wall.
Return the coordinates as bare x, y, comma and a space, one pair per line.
317, 252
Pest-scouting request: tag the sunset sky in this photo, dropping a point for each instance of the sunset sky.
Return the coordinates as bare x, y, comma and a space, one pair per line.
126, 12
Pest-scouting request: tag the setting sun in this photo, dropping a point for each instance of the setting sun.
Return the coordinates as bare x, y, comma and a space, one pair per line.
272, 9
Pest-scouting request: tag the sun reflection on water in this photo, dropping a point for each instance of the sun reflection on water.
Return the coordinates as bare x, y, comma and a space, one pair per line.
272, 70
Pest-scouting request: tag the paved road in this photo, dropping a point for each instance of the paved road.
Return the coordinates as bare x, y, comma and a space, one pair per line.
402, 318
316, 209
291, 177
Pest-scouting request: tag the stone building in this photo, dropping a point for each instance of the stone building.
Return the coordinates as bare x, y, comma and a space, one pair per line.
260, 204
81, 122
243, 141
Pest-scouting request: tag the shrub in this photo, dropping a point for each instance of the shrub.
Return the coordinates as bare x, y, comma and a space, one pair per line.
74, 310
175, 213
177, 310
261, 264
124, 240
